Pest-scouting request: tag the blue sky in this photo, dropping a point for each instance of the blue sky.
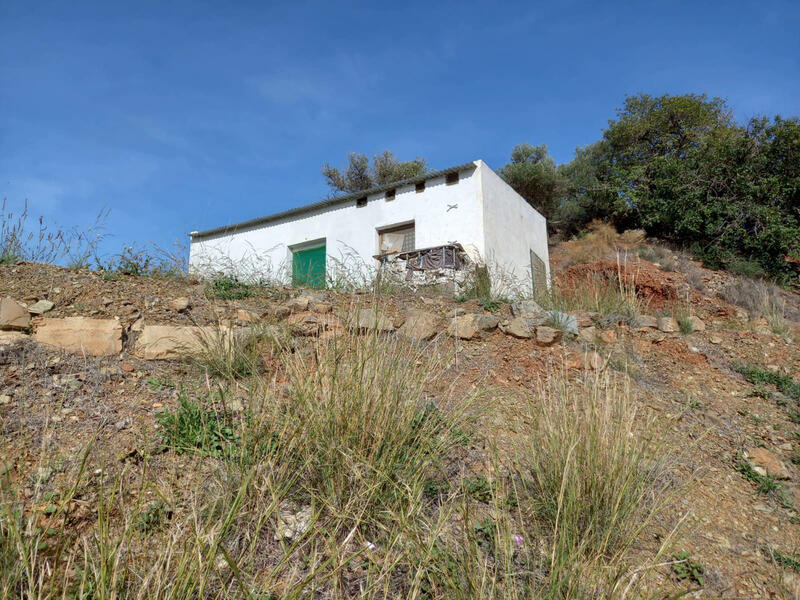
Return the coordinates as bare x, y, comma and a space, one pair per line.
188, 115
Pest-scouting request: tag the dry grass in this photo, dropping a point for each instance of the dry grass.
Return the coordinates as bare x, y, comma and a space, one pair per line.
615, 300
320, 486
595, 464
40, 242
596, 244
694, 274
633, 237
760, 299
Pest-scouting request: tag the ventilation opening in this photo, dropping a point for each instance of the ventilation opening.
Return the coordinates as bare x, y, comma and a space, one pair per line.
451, 178
361, 202
390, 195
420, 187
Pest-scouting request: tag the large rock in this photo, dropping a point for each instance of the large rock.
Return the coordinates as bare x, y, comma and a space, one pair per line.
81, 335
181, 304
517, 327
292, 525
13, 315
246, 316
321, 308
282, 311
296, 305
667, 324
306, 324
370, 319
547, 336
164, 342
472, 325
697, 323
585, 318
41, 307
767, 463
526, 308
588, 335
592, 360
646, 322
419, 325
607, 336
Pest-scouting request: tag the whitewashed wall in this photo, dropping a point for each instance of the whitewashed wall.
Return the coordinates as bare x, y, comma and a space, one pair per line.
481, 211
441, 214
512, 228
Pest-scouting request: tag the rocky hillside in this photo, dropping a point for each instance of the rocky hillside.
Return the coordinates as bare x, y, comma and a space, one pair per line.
88, 362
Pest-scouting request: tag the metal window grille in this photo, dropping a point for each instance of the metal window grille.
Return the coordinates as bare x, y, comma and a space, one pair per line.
400, 239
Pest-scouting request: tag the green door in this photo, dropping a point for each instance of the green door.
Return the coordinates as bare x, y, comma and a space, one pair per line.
308, 267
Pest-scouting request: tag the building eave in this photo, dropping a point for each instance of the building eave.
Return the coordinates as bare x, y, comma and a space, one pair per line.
322, 204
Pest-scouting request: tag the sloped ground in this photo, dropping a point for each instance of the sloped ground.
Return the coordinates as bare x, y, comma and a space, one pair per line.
56, 405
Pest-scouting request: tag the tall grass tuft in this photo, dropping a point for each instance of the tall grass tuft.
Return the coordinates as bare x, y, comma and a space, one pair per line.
42, 243
594, 465
371, 434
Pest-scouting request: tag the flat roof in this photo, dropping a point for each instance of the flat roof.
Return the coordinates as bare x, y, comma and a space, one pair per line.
336, 200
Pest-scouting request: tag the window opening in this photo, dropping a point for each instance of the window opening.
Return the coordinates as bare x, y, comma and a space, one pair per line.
396, 239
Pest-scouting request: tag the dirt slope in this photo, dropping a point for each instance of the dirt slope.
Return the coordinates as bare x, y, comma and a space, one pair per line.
55, 404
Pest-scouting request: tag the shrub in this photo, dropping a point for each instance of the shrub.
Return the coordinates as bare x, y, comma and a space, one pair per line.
73, 247
596, 243
149, 261
633, 236
684, 319
694, 275
647, 253
745, 267
479, 285
354, 454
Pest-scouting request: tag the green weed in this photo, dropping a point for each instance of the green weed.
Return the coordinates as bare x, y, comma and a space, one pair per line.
786, 559
686, 568
765, 483
153, 517
229, 287
478, 488
757, 375
193, 428
160, 383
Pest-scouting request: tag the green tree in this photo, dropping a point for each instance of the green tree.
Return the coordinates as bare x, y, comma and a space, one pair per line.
587, 195
359, 175
681, 168
533, 175
651, 138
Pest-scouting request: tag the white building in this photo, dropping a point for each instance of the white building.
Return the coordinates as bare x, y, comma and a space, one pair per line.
464, 211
